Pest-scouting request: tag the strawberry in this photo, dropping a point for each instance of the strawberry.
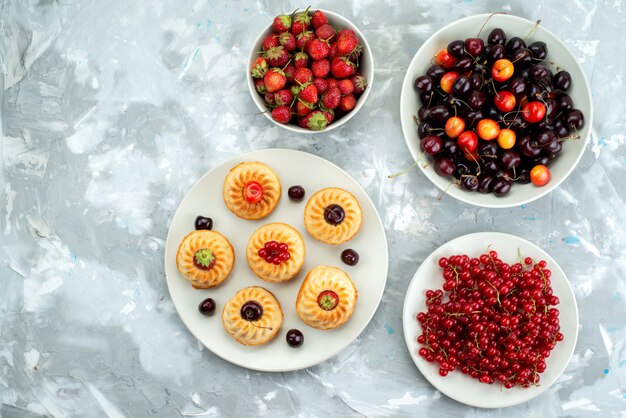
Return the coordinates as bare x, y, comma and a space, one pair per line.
308, 94
325, 32
269, 98
303, 75
288, 41
303, 109
334, 52
283, 97
344, 32
259, 68
274, 79
318, 19
360, 83
332, 98
321, 85
342, 68
260, 86
346, 43
303, 39
295, 89
270, 41
347, 103
345, 86
301, 59
316, 121
331, 82
356, 53
281, 24
318, 49
301, 22
302, 121
277, 57
281, 114
329, 114
290, 70
321, 68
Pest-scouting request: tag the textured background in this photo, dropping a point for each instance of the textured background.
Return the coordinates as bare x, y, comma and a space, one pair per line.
111, 110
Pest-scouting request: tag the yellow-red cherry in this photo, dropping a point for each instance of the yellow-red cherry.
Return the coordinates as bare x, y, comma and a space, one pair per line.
502, 70
488, 129
540, 175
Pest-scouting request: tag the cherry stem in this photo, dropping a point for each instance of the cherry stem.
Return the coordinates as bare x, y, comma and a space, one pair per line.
391, 176
533, 29
487, 20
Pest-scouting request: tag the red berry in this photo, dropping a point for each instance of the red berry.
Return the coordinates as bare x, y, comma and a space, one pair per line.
332, 98
288, 41
346, 43
270, 42
316, 120
309, 94
283, 97
345, 86
318, 19
303, 75
347, 103
259, 68
342, 68
321, 84
332, 82
360, 84
274, 80
277, 56
260, 86
281, 23
301, 59
325, 32
303, 39
281, 114
321, 68
318, 49
303, 109
289, 71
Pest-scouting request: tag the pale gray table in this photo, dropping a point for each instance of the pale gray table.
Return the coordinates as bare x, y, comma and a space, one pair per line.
111, 110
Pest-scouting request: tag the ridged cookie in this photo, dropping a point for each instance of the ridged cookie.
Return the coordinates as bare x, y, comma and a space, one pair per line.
242, 175
327, 298
205, 258
246, 323
279, 270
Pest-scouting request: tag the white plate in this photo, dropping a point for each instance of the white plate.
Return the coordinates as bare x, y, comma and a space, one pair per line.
462, 387
558, 52
369, 275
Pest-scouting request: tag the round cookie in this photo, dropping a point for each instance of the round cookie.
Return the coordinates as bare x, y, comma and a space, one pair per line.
205, 258
327, 298
333, 216
251, 190
275, 252
253, 316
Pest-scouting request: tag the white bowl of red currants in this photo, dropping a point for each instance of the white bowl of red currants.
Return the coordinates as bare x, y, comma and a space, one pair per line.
310, 71
496, 110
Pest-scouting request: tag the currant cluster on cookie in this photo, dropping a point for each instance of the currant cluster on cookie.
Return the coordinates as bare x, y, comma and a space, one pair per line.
496, 114
308, 72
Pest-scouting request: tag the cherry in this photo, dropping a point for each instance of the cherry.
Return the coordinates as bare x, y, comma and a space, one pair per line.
439, 114
514, 44
295, 338
296, 193
251, 311
562, 80
328, 300
462, 65
456, 48
474, 46
203, 222
533, 112
435, 72
506, 138
207, 307
445, 59
454, 126
539, 72
334, 214
501, 187
487, 129
253, 192
444, 166
504, 101
461, 86
545, 137
423, 84
502, 70
564, 101
574, 119
517, 85
350, 257
468, 141
431, 144
448, 80
424, 129
495, 53
476, 99
527, 148
540, 175
539, 50
485, 184
496, 37
469, 183
522, 57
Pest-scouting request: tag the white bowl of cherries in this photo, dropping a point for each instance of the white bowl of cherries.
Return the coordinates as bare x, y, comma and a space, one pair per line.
496, 118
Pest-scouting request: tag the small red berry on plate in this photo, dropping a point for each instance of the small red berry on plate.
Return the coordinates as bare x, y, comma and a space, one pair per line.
475, 46
506, 138
301, 22
533, 112
318, 19
347, 103
281, 114
502, 70
253, 192
445, 59
504, 101
345, 86
447, 80
454, 127
487, 129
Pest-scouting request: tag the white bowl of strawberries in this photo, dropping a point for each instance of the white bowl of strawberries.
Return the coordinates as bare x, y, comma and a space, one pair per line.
310, 71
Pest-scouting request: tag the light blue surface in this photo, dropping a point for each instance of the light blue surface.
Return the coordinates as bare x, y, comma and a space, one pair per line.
112, 110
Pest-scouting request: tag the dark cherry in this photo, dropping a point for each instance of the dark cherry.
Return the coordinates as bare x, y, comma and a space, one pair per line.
564, 102
551, 107
562, 80
296, 193
545, 124
538, 72
487, 148
295, 338
251, 311
517, 85
485, 184
424, 129
543, 160
444, 166
474, 46
476, 99
450, 146
473, 117
522, 72
496, 37
510, 159
203, 222
501, 187
439, 114
534, 91
207, 307
539, 50
422, 113
496, 53
461, 86
334, 214
523, 176
561, 129
461, 169
429, 98
545, 137
553, 147
490, 166
527, 148
456, 48
463, 64
476, 81
522, 57
574, 119
514, 44
492, 112
469, 183
423, 84
350, 257
432, 144
435, 72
